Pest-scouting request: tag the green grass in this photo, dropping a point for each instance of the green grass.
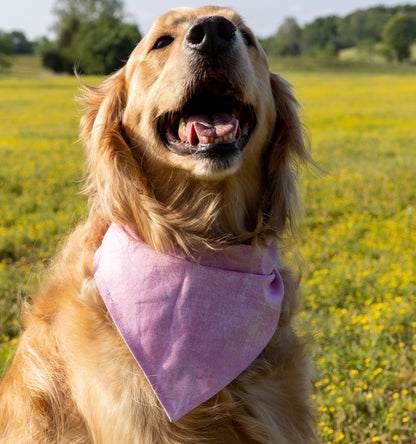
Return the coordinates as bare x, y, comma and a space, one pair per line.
358, 242
351, 65
25, 67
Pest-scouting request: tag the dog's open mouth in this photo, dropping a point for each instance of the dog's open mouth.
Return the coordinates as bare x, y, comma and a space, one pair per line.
213, 122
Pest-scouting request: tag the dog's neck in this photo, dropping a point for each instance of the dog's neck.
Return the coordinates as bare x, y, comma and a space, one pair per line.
227, 210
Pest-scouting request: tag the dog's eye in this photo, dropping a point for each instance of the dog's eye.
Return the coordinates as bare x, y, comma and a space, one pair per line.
163, 41
247, 38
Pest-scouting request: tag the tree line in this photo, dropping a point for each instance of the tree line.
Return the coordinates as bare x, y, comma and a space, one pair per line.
95, 37
92, 36
393, 27
13, 43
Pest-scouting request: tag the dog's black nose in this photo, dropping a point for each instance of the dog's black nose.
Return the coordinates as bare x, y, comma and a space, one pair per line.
210, 34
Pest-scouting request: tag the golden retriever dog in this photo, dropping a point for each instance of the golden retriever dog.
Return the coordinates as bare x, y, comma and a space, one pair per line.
193, 146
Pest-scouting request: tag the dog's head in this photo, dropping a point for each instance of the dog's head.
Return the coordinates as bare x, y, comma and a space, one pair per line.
194, 140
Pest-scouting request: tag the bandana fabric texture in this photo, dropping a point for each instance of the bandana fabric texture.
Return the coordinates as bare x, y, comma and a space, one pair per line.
192, 326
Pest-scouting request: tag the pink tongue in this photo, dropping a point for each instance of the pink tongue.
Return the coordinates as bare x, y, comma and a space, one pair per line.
207, 128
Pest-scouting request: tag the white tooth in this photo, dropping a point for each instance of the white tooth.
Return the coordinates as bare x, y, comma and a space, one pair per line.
182, 128
236, 131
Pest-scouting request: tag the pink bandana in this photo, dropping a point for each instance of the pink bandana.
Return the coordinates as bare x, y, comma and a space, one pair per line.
192, 327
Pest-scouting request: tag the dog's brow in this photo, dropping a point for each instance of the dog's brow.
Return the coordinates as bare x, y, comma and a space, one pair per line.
175, 23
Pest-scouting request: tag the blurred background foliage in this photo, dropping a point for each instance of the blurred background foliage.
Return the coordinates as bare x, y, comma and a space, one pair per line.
386, 32
91, 35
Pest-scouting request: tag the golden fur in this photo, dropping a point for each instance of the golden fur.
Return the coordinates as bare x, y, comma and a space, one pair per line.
73, 379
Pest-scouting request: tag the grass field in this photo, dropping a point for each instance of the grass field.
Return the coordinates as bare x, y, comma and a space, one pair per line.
358, 235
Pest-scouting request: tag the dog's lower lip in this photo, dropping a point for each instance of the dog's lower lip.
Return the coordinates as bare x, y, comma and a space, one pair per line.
216, 150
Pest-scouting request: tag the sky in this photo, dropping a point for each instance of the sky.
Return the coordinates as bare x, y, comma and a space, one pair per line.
35, 17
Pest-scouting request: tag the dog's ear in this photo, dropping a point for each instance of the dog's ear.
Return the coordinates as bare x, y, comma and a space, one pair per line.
104, 107
285, 154
102, 133
113, 179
